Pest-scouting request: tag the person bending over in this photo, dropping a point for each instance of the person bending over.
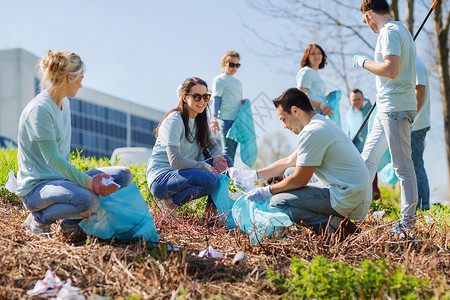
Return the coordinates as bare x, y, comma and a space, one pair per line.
50, 187
343, 188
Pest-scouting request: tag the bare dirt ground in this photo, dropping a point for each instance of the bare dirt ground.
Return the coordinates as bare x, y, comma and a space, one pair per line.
125, 269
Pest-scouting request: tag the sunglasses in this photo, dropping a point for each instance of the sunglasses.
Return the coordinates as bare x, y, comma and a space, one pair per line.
363, 19
197, 97
233, 65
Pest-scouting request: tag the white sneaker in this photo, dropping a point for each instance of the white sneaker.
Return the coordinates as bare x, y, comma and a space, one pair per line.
34, 227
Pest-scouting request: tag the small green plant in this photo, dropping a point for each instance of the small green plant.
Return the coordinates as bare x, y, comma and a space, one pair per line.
323, 279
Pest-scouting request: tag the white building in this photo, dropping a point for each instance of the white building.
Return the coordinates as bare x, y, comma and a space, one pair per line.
100, 122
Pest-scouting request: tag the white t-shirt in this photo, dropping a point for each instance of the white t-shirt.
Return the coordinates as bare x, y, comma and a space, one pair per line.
230, 90
396, 94
171, 133
41, 120
422, 119
339, 166
309, 78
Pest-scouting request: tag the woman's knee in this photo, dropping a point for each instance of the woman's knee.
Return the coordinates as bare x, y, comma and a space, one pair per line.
87, 201
211, 182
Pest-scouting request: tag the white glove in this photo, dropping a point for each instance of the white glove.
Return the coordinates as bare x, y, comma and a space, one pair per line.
358, 61
260, 195
243, 179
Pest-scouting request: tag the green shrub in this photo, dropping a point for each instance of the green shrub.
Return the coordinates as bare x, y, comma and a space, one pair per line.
323, 279
8, 161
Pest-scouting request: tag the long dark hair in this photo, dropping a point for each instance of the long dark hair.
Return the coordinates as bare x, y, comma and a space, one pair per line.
305, 59
201, 120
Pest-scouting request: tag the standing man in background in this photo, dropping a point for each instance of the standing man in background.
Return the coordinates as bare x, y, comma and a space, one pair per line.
395, 71
359, 109
419, 131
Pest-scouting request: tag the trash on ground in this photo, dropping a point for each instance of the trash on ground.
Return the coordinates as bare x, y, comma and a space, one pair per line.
239, 258
11, 184
174, 248
378, 214
52, 286
429, 220
210, 252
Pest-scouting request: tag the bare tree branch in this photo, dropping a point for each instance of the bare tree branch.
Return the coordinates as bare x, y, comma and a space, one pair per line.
339, 23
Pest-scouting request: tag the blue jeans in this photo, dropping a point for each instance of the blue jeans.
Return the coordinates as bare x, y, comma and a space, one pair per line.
229, 146
64, 199
183, 186
392, 131
418, 146
309, 204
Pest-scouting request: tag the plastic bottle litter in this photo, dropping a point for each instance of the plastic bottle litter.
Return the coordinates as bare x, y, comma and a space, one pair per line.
239, 258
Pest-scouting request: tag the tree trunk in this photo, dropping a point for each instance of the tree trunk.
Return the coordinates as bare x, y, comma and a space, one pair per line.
394, 10
441, 31
410, 16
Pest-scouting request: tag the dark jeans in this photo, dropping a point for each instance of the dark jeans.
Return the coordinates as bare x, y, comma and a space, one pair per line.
183, 186
417, 147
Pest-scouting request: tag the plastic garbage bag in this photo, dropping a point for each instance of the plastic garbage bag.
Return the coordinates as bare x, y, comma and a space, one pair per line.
223, 201
258, 219
243, 132
241, 179
333, 102
124, 215
387, 174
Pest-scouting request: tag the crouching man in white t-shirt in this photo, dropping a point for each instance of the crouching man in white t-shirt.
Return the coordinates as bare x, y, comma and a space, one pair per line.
343, 190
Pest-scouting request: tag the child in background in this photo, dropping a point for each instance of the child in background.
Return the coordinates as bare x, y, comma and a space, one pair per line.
227, 95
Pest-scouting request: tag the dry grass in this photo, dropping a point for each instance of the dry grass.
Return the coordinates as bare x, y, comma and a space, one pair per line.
121, 269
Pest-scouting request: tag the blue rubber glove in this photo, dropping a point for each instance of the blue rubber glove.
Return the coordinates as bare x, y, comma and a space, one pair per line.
260, 195
358, 61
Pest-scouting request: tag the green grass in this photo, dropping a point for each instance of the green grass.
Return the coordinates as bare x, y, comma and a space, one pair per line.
325, 279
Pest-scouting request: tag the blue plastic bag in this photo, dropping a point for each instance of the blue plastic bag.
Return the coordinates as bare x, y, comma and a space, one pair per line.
223, 201
123, 215
243, 132
258, 220
333, 102
387, 174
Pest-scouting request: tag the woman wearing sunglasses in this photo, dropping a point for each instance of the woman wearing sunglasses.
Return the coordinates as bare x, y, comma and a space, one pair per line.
309, 81
227, 95
176, 173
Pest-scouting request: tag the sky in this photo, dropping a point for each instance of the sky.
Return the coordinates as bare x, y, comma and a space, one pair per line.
142, 50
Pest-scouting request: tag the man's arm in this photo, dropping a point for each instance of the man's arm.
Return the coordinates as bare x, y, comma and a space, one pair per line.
389, 68
278, 167
420, 95
299, 179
